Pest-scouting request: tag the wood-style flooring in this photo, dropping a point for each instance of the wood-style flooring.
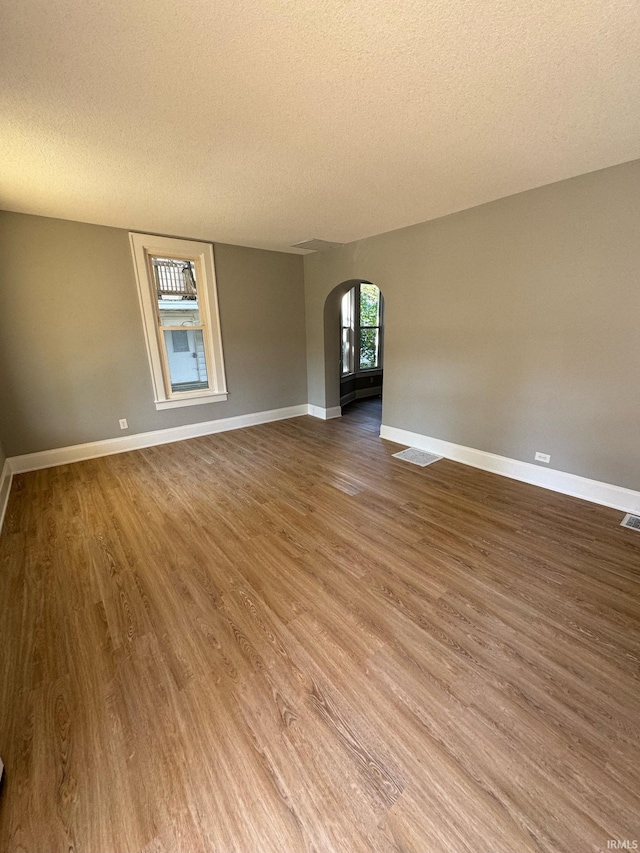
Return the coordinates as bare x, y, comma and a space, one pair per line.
281, 639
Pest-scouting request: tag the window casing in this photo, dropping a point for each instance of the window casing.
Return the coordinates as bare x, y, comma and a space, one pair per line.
179, 305
361, 320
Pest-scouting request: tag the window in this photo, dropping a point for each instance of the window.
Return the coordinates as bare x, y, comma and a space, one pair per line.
178, 299
346, 314
361, 341
370, 323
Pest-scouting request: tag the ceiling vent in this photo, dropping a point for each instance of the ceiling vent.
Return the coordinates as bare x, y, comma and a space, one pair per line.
631, 521
315, 245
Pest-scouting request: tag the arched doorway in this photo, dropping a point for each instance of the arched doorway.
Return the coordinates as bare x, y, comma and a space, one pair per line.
354, 344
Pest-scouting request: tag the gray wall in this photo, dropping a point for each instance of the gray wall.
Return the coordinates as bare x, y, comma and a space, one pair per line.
511, 327
72, 353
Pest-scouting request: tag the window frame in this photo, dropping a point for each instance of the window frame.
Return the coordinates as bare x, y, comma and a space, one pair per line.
355, 333
351, 336
362, 328
143, 248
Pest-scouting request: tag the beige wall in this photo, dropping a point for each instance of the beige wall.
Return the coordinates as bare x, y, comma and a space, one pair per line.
511, 327
72, 353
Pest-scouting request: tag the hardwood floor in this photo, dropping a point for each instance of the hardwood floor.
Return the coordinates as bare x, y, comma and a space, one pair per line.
283, 639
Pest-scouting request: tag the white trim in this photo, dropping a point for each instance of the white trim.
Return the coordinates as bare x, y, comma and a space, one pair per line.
5, 488
616, 497
143, 248
190, 401
324, 414
94, 449
607, 494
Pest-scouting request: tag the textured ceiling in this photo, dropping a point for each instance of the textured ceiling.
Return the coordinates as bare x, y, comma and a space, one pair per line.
267, 123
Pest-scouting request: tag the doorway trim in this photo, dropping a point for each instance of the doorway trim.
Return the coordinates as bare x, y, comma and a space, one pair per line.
332, 344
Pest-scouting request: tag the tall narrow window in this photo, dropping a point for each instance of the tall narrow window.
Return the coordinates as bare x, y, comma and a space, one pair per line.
348, 331
177, 289
370, 323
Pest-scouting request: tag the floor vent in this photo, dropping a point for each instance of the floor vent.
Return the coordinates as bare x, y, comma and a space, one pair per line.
417, 457
631, 521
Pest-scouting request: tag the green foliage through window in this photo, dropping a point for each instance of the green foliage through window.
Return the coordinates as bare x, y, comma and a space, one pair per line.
361, 335
368, 348
369, 323
369, 305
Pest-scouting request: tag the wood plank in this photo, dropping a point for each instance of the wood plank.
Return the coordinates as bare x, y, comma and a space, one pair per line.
282, 638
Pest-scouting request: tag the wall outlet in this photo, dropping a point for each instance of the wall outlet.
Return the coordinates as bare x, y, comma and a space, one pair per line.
543, 457
123, 423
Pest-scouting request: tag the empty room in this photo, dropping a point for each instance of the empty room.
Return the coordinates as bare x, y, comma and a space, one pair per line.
319, 420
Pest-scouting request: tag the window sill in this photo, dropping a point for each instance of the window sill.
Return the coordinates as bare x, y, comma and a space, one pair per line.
190, 401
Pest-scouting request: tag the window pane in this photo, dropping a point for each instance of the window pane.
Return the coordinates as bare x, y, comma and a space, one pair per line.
369, 305
346, 321
177, 292
368, 348
346, 309
187, 366
180, 341
346, 350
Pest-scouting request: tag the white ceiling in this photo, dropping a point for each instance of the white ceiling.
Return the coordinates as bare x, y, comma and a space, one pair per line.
266, 123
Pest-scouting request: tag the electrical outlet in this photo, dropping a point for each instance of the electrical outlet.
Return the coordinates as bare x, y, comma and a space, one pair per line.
123, 423
543, 457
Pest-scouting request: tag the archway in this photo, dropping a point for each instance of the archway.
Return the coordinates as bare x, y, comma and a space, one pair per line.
361, 375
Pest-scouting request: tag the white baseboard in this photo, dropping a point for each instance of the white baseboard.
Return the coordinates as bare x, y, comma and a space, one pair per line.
325, 414
80, 452
5, 487
606, 494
